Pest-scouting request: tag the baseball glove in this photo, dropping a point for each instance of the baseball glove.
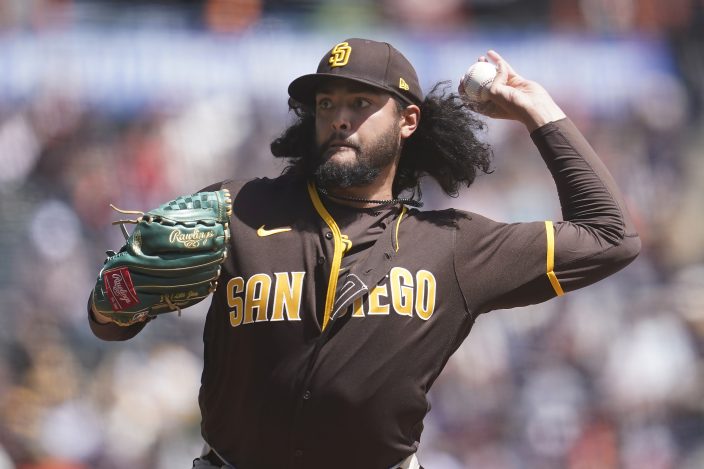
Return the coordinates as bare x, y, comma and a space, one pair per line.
171, 260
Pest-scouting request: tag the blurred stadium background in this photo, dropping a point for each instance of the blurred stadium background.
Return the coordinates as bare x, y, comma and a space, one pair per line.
135, 102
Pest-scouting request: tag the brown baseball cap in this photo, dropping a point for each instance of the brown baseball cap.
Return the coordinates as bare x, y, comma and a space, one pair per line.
373, 63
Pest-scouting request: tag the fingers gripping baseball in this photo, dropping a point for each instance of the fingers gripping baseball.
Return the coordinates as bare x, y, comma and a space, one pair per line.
510, 96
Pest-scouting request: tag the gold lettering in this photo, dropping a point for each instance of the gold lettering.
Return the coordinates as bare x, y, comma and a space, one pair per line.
375, 306
190, 240
425, 294
402, 291
407, 293
358, 308
180, 297
257, 298
287, 295
234, 286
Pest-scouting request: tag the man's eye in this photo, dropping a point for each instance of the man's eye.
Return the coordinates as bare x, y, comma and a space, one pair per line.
324, 104
361, 103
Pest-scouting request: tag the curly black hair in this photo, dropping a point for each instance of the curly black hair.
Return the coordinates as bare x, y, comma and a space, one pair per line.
444, 146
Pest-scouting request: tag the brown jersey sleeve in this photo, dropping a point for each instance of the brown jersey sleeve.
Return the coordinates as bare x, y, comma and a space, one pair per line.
597, 237
506, 265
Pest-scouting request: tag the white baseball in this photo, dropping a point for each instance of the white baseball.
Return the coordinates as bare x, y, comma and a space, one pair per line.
477, 80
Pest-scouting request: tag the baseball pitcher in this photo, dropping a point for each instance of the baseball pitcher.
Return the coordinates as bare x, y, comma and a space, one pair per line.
336, 300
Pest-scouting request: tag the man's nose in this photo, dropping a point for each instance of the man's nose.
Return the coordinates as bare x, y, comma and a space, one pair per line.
342, 120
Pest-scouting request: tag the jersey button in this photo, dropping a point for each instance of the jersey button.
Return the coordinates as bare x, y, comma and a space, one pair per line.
306, 395
298, 453
321, 260
328, 234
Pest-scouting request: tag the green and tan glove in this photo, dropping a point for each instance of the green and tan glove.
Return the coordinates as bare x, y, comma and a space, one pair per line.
171, 260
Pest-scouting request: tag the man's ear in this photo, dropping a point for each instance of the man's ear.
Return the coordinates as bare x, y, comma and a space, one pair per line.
410, 118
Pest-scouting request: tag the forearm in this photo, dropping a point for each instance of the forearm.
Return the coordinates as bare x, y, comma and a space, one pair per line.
587, 191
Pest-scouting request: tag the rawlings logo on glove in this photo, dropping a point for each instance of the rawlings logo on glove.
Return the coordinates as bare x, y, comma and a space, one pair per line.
119, 288
170, 261
189, 240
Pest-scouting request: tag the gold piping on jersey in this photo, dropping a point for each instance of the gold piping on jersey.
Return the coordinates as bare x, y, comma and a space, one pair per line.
337, 252
551, 259
398, 223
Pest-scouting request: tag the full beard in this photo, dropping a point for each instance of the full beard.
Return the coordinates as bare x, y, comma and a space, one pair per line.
365, 168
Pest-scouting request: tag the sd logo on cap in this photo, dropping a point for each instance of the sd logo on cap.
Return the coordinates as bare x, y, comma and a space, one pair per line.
373, 63
340, 54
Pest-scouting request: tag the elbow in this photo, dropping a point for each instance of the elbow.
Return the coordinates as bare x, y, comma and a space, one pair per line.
629, 248
636, 245
606, 263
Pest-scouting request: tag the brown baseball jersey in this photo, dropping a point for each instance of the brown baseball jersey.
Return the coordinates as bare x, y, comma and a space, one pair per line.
330, 324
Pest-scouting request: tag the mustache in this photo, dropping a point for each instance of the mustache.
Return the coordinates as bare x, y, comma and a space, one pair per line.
338, 139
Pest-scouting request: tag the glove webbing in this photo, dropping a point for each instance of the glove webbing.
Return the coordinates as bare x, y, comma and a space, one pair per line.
189, 202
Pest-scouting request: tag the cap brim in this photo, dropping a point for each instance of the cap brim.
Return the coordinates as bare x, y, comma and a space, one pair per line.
303, 88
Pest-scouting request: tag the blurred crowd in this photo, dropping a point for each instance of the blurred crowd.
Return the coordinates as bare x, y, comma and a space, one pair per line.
607, 377
231, 16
